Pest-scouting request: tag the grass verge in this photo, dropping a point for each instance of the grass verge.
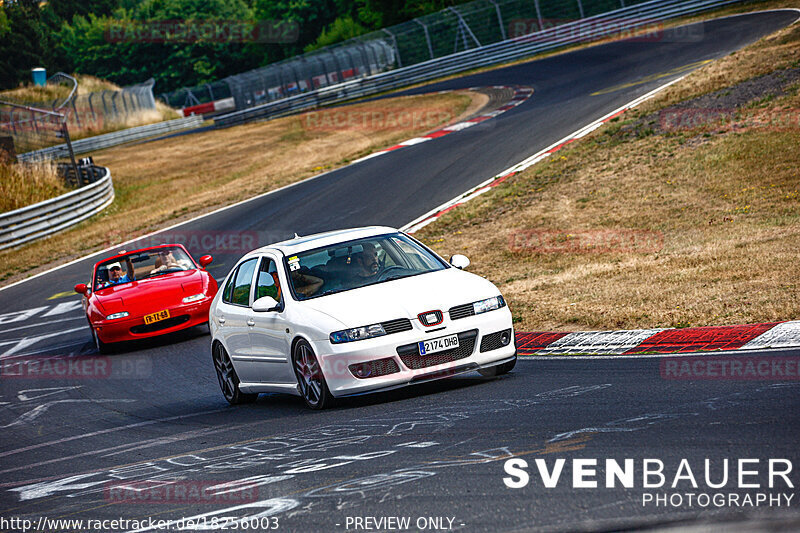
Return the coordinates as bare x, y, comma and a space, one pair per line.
651, 223
22, 184
163, 182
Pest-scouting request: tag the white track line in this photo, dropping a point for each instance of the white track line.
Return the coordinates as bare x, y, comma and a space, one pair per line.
429, 217
109, 430
117, 246
741, 352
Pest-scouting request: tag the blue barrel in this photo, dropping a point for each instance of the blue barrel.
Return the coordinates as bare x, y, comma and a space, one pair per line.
39, 76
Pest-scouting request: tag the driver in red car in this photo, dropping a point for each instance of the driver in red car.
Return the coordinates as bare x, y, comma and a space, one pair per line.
115, 276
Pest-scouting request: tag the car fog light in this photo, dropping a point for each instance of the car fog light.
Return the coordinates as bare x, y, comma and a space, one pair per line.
505, 338
363, 370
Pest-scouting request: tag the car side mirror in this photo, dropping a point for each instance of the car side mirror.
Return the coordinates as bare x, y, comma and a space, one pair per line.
205, 260
81, 288
459, 261
264, 304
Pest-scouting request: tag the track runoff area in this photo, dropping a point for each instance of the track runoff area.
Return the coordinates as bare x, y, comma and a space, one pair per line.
142, 440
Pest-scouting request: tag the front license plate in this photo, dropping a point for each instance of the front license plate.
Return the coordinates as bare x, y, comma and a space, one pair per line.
439, 344
155, 317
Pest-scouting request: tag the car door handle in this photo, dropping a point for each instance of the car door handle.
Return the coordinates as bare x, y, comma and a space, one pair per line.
251, 322
221, 320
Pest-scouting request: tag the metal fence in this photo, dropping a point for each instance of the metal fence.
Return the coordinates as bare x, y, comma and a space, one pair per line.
34, 126
468, 26
31, 128
100, 142
103, 109
200, 94
56, 214
617, 22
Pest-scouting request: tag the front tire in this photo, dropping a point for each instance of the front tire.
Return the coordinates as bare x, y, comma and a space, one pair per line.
310, 380
498, 370
100, 346
228, 380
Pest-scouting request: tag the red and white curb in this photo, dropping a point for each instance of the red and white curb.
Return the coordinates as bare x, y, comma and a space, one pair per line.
521, 94
661, 341
225, 104
487, 185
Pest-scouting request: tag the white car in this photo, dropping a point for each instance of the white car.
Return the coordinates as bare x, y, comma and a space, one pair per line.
350, 312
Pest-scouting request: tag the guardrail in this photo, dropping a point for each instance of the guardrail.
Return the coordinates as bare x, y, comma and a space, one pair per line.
53, 215
98, 142
590, 28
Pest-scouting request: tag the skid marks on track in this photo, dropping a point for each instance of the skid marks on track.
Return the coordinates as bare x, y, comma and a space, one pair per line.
28, 402
648, 420
415, 434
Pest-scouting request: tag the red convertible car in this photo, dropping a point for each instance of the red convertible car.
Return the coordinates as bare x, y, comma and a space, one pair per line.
147, 292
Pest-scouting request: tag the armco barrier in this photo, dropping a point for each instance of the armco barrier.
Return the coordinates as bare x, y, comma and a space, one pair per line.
590, 28
98, 142
48, 217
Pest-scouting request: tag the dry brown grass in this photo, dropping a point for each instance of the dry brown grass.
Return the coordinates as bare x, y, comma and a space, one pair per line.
29, 93
26, 184
162, 182
33, 94
727, 203
131, 120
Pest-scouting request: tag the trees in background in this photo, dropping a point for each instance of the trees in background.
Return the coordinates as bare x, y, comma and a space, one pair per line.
119, 39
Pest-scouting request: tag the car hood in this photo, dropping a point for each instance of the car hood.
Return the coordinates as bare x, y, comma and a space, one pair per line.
404, 298
151, 294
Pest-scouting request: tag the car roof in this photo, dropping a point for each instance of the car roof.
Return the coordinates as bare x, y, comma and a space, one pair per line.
318, 240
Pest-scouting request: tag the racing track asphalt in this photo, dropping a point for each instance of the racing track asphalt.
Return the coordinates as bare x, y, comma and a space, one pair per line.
171, 406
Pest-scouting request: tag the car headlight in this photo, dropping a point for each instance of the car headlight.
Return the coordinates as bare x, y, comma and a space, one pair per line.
114, 316
489, 304
193, 298
357, 334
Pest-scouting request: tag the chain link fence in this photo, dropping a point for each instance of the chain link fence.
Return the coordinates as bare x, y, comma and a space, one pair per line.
98, 110
455, 29
86, 113
25, 128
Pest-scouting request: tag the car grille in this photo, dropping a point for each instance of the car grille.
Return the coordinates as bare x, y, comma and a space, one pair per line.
409, 353
461, 311
493, 342
378, 367
396, 326
162, 324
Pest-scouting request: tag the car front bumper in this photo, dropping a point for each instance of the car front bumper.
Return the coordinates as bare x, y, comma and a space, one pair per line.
396, 370
131, 328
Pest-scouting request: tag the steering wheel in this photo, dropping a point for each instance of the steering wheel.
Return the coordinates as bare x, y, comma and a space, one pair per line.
382, 276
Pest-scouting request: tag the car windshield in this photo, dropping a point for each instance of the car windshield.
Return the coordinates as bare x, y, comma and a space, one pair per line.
354, 264
141, 265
